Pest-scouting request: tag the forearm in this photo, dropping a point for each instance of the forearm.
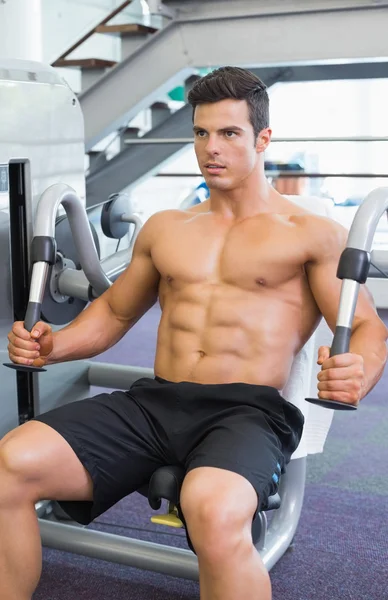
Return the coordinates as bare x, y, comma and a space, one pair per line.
94, 330
370, 341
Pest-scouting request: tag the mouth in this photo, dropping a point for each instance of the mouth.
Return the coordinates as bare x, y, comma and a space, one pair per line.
214, 168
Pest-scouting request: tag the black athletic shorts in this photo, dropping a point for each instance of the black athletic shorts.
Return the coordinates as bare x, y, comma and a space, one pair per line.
123, 437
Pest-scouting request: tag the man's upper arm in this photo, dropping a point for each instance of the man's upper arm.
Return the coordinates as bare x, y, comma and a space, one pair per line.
136, 290
321, 270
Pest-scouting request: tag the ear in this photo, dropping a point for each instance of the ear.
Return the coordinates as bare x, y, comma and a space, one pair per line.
263, 139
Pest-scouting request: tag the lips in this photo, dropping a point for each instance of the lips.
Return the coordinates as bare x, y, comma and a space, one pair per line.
214, 168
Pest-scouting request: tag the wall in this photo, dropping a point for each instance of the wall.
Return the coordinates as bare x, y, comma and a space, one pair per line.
21, 30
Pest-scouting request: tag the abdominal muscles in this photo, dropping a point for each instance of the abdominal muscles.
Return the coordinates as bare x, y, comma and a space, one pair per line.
219, 333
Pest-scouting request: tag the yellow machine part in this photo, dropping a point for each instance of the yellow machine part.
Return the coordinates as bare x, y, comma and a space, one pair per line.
171, 518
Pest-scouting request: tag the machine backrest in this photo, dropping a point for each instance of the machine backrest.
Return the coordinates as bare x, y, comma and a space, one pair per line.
303, 377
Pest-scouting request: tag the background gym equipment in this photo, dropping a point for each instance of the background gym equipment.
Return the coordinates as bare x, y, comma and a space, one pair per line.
44, 252
59, 249
117, 215
41, 143
58, 308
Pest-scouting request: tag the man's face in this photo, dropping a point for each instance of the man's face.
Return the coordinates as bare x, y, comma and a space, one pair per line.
224, 143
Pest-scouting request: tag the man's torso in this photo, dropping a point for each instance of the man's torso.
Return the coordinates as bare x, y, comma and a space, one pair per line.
236, 303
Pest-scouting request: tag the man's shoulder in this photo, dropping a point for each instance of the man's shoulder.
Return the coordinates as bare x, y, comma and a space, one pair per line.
163, 217
324, 237
318, 225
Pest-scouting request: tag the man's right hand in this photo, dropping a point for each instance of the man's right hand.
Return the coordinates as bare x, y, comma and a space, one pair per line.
33, 348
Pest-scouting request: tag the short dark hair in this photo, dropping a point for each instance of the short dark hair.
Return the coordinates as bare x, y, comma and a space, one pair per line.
238, 84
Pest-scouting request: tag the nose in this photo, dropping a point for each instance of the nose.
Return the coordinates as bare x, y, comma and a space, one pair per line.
212, 145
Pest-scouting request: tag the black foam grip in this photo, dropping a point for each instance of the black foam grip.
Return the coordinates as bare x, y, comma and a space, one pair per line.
341, 341
43, 249
354, 264
32, 315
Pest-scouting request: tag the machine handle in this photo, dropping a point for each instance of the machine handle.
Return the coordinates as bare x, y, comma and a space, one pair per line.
340, 345
341, 340
38, 284
32, 315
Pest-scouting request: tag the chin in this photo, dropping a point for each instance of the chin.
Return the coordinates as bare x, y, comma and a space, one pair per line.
219, 184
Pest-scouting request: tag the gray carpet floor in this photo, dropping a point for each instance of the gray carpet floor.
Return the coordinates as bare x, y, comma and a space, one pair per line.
341, 545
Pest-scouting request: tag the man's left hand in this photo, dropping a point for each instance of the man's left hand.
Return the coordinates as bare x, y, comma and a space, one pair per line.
342, 376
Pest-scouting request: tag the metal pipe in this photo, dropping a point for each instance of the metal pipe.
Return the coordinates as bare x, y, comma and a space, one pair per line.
115, 376
358, 139
115, 264
137, 222
360, 238
51, 199
41, 507
285, 520
347, 303
366, 219
293, 174
298, 174
154, 141
177, 562
74, 283
296, 140
38, 281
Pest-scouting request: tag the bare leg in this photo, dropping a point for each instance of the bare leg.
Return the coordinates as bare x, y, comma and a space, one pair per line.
218, 506
36, 463
20, 553
240, 575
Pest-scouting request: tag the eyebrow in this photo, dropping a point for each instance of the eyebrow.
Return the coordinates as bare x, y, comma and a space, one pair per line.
230, 128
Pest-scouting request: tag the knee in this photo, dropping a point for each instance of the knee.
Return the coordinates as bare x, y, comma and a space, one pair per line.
218, 525
15, 470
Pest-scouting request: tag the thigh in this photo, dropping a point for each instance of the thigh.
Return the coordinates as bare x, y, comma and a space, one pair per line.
43, 465
116, 443
253, 441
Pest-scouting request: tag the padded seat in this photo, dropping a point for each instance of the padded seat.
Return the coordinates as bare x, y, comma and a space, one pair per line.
166, 483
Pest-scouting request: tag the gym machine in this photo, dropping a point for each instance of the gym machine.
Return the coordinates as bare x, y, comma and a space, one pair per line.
165, 484
41, 147
67, 274
51, 272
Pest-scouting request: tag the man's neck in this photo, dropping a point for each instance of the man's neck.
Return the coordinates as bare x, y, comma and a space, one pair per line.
244, 201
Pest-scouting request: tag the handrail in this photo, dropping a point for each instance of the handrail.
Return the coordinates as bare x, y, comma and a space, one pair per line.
112, 14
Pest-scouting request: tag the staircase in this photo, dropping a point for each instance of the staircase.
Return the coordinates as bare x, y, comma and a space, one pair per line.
195, 34
132, 36
93, 69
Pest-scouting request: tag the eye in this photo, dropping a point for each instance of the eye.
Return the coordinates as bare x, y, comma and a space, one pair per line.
230, 134
200, 133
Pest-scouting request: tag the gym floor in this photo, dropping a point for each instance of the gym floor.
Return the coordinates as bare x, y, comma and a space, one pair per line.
341, 548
